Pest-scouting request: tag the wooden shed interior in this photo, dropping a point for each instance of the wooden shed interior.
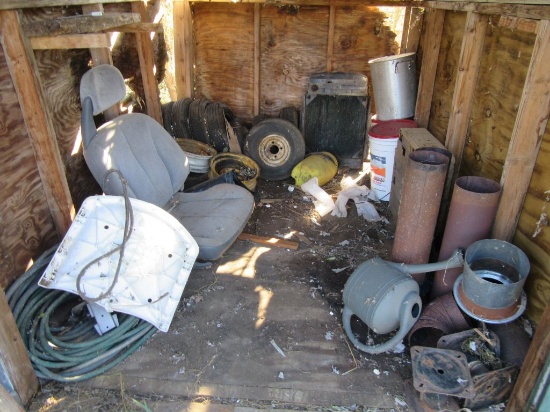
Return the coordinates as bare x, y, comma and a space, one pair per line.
484, 92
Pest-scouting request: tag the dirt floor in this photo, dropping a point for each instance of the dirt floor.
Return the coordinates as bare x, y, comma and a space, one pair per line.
261, 328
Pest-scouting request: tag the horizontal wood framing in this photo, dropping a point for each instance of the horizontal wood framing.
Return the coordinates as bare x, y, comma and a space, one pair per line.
527, 11
27, 4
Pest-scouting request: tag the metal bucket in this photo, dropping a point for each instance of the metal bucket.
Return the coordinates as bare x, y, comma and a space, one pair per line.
394, 84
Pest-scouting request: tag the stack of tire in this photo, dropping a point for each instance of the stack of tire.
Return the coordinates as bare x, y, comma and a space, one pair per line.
206, 121
275, 144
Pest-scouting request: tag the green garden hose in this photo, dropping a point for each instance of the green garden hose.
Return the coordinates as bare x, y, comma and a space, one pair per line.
63, 345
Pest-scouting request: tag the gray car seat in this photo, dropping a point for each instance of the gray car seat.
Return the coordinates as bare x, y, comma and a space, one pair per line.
155, 167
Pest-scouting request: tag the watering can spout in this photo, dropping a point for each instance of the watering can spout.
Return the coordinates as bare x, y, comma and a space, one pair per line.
455, 261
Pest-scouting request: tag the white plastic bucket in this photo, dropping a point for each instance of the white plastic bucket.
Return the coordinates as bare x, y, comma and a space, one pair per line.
383, 138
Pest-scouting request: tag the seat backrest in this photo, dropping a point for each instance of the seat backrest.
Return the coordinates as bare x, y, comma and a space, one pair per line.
153, 164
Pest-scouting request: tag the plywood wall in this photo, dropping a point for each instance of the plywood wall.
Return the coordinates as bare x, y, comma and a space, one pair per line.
501, 78
26, 226
294, 43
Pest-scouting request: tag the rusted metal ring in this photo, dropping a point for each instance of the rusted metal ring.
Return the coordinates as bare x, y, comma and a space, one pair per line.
484, 314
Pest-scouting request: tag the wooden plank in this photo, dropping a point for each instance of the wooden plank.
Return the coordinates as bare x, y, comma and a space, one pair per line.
414, 30
183, 48
20, 60
526, 138
14, 354
468, 67
79, 24
330, 42
527, 11
257, 57
496, 98
146, 62
503, 1
406, 23
7, 403
71, 41
142, 27
518, 23
227, 54
269, 241
430, 44
25, 4
532, 365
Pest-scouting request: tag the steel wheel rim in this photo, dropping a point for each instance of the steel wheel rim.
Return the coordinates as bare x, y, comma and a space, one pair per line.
274, 150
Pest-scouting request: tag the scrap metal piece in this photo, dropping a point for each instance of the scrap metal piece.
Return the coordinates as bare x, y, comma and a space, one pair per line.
441, 371
454, 341
434, 402
492, 388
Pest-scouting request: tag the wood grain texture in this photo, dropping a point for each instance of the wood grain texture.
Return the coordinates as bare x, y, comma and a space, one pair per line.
294, 45
224, 55
14, 356
23, 71
447, 68
503, 69
465, 84
529, 128
427, 58
26, 226
184, 58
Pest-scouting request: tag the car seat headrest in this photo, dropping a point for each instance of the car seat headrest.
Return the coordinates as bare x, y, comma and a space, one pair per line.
104, 85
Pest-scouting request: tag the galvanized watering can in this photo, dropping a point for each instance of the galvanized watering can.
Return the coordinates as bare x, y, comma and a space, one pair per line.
384, 296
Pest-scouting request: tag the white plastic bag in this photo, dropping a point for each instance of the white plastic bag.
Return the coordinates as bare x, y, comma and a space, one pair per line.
360, 195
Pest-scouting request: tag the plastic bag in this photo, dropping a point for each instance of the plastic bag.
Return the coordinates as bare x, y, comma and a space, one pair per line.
322, 165
360, 195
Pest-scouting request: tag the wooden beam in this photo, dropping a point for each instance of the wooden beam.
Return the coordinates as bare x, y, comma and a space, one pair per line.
269, 241
414, 29
538, 352
26, 4
102, 55
71, 41
14, 354
146, 62
527, 11
183, 48
257, 58
24, 73
79, 24
142, 27
405, 33
465, 83
530, 125
430, 45
7, 402
518, 23
330, 39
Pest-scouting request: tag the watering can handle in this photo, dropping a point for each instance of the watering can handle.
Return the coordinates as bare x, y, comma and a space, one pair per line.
406, 323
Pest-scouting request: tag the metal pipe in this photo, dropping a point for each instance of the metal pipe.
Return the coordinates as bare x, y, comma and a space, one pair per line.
455, 261
471, 215
439, 318
422, 191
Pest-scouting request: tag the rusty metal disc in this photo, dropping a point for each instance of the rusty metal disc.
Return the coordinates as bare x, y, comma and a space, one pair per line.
441, 371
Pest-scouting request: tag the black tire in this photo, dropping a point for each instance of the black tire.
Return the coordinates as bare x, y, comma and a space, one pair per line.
291, 114
216, 128
277, 146
166, 111
197, 120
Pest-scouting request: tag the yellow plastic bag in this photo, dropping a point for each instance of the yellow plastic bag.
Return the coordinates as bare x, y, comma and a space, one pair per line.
322, 165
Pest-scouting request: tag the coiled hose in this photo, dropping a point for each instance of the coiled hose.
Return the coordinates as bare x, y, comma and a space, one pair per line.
63, 344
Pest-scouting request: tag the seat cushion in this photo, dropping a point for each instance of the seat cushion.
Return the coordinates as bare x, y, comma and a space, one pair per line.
153, 164
214, 218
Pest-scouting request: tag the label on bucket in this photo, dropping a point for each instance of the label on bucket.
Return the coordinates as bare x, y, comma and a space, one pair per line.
378, 165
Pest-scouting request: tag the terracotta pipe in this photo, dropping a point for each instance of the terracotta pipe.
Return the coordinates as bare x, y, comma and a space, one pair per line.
439, 318
471, 215
422, 191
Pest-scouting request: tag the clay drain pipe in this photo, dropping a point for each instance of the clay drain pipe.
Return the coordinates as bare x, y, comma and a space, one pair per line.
422, 191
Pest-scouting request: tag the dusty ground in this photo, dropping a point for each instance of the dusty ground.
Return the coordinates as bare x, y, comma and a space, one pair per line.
261, 328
